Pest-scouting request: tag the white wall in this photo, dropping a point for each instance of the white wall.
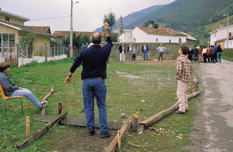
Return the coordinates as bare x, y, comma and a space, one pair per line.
141, 37
39, 59
125, 37
222, 34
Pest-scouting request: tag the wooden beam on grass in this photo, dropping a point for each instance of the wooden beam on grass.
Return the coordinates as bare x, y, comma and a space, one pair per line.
41, 131
77, 122
166, 112
113, 145
42, 111
59, 108
134, 123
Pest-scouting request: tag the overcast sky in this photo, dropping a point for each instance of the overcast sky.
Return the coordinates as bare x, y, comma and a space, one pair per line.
87, 14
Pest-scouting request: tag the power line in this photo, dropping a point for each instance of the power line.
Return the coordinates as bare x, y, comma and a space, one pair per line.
48, 18
89, 18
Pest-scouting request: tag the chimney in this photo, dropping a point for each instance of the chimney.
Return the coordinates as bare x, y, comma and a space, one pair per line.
221, 25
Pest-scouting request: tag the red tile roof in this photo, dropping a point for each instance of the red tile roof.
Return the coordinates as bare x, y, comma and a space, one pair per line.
67, 33
161, 31
41, 28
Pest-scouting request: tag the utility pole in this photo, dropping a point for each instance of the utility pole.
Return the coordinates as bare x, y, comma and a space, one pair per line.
71, 29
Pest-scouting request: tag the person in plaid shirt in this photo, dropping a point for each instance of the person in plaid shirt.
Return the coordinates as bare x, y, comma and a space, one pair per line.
184, 70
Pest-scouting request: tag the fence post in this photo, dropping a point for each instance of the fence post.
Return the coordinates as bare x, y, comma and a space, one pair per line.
26, 51
38, 50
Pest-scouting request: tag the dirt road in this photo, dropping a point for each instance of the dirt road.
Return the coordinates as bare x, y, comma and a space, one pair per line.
213, 125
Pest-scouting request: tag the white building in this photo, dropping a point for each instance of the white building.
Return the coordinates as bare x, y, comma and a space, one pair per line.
220, 35
145, 34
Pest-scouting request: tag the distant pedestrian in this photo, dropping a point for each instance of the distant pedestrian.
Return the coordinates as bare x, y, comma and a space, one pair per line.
208, 53
184, 70
161, 49
129, 50
145, 51
133, 54
219, 53
204, 54
190, 53
93, 75
122, 51
195, 53
214, 53
200, 53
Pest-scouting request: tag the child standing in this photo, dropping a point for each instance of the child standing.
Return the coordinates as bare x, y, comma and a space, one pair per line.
133, 54
10, 89
184, 70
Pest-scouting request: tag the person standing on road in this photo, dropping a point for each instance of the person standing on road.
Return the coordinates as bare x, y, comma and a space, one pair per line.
190, 53
219, 53
208, 53
133, 54
195, 52
145, 49
200, 53
184, 70
94, 61
161, 49
129, 50
122, 52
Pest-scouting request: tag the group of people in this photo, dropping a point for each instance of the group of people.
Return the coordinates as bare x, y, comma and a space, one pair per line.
210, 54
132, 52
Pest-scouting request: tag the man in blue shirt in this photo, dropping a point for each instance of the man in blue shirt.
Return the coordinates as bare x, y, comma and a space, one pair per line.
145, 49
214, 53
94, 60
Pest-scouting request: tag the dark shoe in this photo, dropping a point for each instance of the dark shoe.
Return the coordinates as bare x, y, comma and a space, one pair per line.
105, 134
180, 112
91, 132
186, 110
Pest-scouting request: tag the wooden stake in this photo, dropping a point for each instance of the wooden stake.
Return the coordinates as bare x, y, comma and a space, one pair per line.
59, 108
138, 117
135, 123
42, 111
27, 126
63, 109
119, 139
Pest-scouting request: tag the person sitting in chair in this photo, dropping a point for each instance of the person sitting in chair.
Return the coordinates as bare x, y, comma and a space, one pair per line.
10, 89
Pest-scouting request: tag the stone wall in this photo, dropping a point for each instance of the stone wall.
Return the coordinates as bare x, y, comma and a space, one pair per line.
171, 52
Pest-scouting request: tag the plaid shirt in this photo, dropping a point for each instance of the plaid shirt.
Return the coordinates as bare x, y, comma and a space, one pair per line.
7, 85
184, 69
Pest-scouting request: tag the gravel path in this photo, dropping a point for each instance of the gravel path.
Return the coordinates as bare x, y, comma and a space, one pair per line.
213, 124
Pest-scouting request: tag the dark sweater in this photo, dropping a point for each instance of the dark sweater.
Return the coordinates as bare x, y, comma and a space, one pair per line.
7, 85
93, 60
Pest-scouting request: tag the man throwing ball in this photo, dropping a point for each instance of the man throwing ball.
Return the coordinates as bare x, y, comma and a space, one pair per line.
94, 62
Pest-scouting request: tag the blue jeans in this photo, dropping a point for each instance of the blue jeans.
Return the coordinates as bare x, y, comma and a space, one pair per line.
219, 57
95, 88
195, 57
29, 95
145, 55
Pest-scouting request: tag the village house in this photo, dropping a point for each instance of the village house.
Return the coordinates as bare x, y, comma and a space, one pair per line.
12, 28
220, 35
152, 35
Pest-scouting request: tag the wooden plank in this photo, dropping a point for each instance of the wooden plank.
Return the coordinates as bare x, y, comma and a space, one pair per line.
113, 145
41, 131
42, 111
166, 112
78, 122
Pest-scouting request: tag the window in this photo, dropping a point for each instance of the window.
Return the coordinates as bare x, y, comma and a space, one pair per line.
180, 40
170, 41
7, 19
157, 39
230, 34
134, 39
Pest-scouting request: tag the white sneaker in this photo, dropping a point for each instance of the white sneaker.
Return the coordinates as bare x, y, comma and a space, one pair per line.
43, 104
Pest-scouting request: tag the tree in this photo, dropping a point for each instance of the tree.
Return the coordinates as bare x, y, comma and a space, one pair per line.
111, 19
85, 39
28, 40
154, 25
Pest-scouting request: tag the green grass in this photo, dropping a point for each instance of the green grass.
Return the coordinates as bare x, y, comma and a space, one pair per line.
227, 58
157, 86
